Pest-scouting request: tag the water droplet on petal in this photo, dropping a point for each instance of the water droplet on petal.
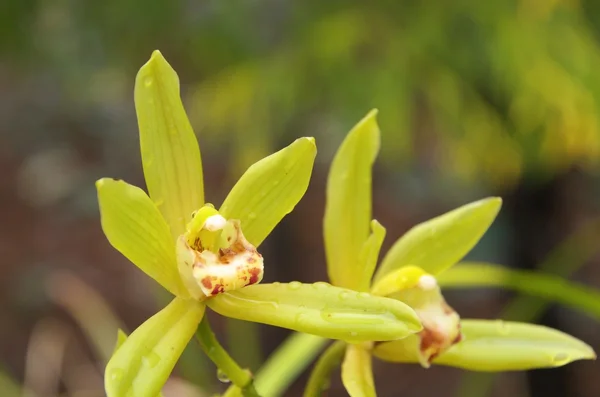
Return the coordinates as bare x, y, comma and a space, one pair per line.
320, 285
252, 215
294, 285
222, 377
353, 334
343, 295
148, 81
151, 360
560, 358
502, 327
116, 374
363, 295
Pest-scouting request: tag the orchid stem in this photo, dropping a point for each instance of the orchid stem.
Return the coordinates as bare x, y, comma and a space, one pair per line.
212, 348
284, 366
319, 377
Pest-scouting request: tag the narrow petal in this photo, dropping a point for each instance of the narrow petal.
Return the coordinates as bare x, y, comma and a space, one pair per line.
134, 226
320, 309
357, 372
348, 205
369, 255
170, 152
547, 286
270, 189
142, 365
498, 346
439, 243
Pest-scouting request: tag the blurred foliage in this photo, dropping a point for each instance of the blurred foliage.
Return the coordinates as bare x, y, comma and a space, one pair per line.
490, 91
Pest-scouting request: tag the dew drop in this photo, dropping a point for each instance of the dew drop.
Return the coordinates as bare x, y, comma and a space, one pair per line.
116, 374
353, 334
222, 377
275, 182
276, 283
252, 215
343, 295
210, 205
320, 285
151, 360
560, 358
148, 81
502, 327
294, 285
363, 295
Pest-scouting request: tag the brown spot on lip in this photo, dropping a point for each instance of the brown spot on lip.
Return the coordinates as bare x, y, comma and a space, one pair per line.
254, 276
217, 289
206, 282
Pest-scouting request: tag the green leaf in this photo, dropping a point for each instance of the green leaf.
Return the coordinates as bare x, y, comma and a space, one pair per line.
270, 189
439, 243
357, 372
369, 255
135, 227
348, 205
320, 309
170, 152
497, 346
547, 286
142, 365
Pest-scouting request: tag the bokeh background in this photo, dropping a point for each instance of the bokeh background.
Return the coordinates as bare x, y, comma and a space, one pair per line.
476, 98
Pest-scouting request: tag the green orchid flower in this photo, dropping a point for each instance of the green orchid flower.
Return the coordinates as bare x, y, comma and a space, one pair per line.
408, 273
208, 257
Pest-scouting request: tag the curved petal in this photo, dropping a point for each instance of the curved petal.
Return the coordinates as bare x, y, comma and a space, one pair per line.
170, 152
357, 372
547, 286
134, 226
498, 346
143, 363
319, 309
270, 189
439, 243
369, 254
348, 205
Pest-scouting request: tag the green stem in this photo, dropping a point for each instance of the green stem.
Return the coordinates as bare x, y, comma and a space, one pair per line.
213, 349
320, 374
285, 365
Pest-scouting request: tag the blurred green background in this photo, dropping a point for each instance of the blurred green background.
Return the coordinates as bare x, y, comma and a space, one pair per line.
476, 98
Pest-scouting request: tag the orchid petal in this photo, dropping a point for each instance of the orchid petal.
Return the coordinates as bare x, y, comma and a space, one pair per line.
348, 205
270, 189
170, 152
135, 227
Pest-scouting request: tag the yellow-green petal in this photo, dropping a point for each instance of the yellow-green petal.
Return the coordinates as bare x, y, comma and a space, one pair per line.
320, 309
499, 346
142, 365
270, 189
369, 255
170, 152
547, 286
357, 372
348, 205
121, 338
135, 227
439, 243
